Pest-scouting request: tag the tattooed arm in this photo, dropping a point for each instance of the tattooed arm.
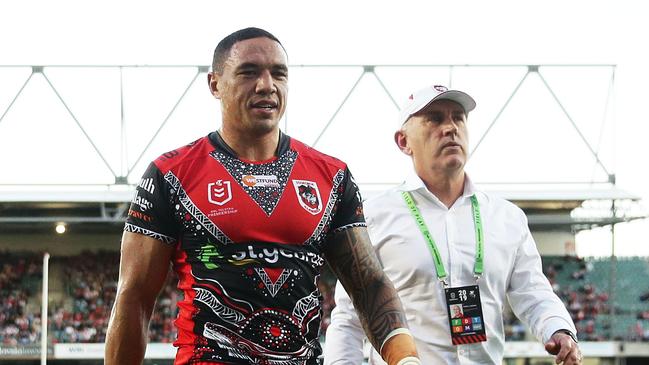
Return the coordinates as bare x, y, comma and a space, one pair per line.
352, 258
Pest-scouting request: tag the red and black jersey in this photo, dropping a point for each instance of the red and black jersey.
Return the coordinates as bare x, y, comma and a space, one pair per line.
249, 238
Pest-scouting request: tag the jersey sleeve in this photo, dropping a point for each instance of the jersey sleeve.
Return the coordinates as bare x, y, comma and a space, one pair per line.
150, 212
350, 206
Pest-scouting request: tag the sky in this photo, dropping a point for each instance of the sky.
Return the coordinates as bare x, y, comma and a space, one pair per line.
352, 33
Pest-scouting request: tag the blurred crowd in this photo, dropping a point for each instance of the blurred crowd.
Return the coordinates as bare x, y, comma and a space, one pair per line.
87, 285
91, 284
20, 276
585, 302
80, 313
585, 292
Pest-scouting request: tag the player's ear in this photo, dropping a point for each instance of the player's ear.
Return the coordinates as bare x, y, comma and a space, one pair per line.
212, 81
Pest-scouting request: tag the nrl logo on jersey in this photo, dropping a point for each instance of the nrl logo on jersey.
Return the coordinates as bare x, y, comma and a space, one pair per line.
308, 195
219, 192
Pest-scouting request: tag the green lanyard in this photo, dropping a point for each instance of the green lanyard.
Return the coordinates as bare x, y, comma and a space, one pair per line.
437, 258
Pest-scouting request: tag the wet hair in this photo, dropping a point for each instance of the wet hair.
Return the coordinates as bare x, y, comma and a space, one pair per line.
222, 50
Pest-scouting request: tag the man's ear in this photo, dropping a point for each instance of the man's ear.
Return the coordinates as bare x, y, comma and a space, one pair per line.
212, 81
401, 140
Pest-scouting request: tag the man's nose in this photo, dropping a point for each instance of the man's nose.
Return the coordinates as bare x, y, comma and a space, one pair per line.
450, 127
265, 83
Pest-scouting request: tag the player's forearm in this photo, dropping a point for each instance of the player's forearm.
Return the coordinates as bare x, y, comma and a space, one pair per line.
378, 306
126, 337
381, 314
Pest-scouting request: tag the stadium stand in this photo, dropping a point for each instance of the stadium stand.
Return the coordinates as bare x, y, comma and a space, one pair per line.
584, 285
80, 313
90, 286
20, 278
88, 283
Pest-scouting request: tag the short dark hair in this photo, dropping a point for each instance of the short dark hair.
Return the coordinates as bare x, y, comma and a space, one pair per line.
222, 50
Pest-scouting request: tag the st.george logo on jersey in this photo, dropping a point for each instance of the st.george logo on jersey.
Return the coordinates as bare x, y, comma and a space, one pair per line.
219, 192
308, 195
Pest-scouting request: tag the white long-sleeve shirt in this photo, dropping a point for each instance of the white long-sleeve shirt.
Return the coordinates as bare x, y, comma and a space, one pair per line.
512, 268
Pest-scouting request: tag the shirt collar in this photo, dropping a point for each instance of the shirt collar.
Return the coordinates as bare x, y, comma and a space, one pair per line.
469, 187
414, 183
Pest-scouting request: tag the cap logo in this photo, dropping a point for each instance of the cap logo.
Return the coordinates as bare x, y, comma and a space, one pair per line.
440, 88
411, 97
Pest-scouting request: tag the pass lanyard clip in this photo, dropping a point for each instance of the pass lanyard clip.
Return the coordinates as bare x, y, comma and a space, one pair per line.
444, 282
437, 257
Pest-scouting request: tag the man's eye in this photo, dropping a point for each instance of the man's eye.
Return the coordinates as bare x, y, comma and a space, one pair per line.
280, 74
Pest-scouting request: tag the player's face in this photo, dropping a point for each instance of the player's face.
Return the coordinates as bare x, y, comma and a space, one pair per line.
437, 137
253, 86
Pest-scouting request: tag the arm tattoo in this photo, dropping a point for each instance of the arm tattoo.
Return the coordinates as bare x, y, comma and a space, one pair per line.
352, 258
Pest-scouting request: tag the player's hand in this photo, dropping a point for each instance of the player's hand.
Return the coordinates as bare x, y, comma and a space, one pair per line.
565, 349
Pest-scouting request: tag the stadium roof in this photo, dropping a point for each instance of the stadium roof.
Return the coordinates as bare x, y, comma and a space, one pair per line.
538, 130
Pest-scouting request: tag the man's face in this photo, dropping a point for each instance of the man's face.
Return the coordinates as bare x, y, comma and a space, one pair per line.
253, 86
436, 137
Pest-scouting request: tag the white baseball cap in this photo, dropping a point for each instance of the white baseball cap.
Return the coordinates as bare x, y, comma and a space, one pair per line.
422, 98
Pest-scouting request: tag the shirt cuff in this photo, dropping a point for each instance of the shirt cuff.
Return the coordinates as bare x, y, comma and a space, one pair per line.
569, 333
557, 324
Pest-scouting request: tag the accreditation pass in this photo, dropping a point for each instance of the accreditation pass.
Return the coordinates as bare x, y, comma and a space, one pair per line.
465, 315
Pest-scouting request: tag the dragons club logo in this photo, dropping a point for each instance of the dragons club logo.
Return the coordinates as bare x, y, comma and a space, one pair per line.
219, 192
308, 195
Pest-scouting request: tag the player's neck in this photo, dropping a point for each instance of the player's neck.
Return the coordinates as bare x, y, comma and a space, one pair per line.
446, 187
251, 147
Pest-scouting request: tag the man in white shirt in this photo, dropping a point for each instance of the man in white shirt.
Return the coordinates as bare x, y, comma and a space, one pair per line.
446, 244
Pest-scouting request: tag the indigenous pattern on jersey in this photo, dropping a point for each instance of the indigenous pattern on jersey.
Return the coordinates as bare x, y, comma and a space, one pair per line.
249, 240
